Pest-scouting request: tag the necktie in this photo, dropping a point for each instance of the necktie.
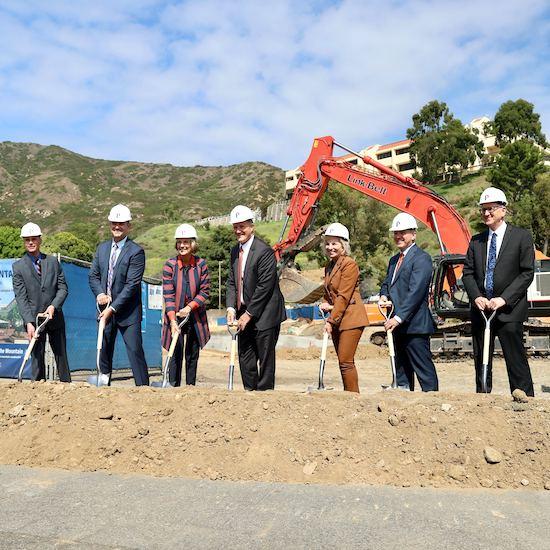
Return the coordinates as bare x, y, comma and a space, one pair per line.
112, 262
239, 277
38, 267
397, 266
491, 262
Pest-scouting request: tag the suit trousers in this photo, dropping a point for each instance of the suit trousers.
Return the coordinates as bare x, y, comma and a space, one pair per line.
58, 343
257, 357
413, 356
131, 334
191, 355
510, 336
345, 343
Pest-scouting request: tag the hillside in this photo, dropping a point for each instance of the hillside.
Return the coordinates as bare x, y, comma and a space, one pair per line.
58, 188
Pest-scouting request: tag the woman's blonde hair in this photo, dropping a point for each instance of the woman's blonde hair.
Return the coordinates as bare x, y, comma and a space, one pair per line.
345, 245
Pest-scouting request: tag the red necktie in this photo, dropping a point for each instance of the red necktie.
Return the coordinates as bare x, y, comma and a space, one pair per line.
397, 266
239, 277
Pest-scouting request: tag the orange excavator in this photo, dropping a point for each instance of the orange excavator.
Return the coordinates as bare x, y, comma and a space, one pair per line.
448, 297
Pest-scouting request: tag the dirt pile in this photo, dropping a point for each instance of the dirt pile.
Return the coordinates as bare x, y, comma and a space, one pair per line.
404, 439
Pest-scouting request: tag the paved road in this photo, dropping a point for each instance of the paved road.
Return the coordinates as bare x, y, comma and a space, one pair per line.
42, 509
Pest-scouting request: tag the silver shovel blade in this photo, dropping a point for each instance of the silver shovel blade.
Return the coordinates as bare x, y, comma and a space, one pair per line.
162, 384
93, 381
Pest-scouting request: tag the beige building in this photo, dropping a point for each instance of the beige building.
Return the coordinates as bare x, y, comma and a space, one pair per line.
396, 155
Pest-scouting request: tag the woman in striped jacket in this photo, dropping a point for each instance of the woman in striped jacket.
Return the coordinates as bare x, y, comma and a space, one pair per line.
185, 288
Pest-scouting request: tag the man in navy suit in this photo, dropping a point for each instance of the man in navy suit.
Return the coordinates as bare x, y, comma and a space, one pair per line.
115, 279
499, 267
407, 285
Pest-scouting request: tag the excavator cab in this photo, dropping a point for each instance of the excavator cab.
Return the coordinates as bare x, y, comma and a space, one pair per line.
449, 299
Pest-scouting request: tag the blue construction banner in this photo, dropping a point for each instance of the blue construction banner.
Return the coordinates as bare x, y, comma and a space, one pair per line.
81, 323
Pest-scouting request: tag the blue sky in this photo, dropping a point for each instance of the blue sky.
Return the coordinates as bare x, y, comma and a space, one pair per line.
220, 82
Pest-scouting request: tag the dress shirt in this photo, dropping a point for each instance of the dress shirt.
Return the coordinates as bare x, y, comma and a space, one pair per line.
404, 252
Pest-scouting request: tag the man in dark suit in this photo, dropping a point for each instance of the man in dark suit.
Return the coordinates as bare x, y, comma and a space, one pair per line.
40, 287
407, 285
115, 279
254, 298
499, 267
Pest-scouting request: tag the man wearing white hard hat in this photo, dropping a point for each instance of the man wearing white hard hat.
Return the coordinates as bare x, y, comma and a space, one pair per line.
255, 301
407, 286
115, 279
347, 316
40, 287
499, 267
186, 289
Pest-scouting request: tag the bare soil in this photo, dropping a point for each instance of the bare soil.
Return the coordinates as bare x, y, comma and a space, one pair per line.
378, 437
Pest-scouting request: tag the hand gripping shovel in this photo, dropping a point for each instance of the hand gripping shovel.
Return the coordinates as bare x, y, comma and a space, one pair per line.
233, 331
95, 379
486, 345
166, 370
38, 330
386, 310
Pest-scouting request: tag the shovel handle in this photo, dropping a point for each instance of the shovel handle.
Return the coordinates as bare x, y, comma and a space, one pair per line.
383, 309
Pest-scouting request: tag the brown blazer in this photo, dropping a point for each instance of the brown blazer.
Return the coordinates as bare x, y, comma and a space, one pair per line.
342, 291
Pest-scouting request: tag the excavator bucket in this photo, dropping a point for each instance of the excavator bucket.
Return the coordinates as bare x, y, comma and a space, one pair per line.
297, 289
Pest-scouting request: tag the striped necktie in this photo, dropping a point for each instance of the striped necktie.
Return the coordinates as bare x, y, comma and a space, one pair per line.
112, 262
239, 278
38, 266
397, 266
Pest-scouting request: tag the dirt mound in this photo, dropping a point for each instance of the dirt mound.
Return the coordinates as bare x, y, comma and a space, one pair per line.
397, 438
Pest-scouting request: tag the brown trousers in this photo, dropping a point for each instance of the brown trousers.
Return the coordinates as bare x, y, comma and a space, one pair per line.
345, 343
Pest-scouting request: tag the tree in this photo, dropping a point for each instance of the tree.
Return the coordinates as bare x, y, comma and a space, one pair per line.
214, 249
11, 243
516, 169
67, 244
440, 142
516, 120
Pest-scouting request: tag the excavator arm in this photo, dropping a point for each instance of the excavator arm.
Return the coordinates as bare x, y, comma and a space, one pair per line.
384, 185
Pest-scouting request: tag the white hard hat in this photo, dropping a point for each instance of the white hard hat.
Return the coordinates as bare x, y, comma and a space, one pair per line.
492, 194
337, 230
120, 213
403, 221
31, 230
186, 231
241, 214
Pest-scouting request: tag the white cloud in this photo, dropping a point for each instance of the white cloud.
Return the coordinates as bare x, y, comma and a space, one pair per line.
216, 82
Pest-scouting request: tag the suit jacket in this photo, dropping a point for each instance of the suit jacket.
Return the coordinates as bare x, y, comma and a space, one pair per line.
409, 291
261, 292
35, 293
514, 271
342, 291
172, 289
127, 276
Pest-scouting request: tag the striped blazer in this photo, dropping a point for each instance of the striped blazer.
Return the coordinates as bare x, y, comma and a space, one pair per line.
172, 288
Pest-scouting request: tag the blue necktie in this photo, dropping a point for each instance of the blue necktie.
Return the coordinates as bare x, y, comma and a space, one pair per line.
491, 262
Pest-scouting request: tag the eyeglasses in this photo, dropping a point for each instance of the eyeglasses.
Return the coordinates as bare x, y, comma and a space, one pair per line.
490, 209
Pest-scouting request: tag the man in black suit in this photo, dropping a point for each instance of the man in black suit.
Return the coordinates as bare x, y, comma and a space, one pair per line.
407, 285
499, 268
40, 287
254, 298
115, 279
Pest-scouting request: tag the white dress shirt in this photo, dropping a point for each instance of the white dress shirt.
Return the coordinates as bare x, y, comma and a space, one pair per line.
404, 252
246, 249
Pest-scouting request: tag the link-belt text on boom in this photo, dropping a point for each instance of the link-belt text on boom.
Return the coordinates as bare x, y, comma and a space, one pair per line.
368, 184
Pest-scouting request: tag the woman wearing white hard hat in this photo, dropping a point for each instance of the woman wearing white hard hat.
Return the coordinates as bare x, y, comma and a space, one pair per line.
185, 288
347, 318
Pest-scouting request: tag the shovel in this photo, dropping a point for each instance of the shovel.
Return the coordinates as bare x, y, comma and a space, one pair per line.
95, 379
486, 345
386, 310
232, 354
39, 328
166, 370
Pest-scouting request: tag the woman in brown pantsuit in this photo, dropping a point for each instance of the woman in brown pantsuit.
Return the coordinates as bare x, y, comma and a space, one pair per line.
347, 313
